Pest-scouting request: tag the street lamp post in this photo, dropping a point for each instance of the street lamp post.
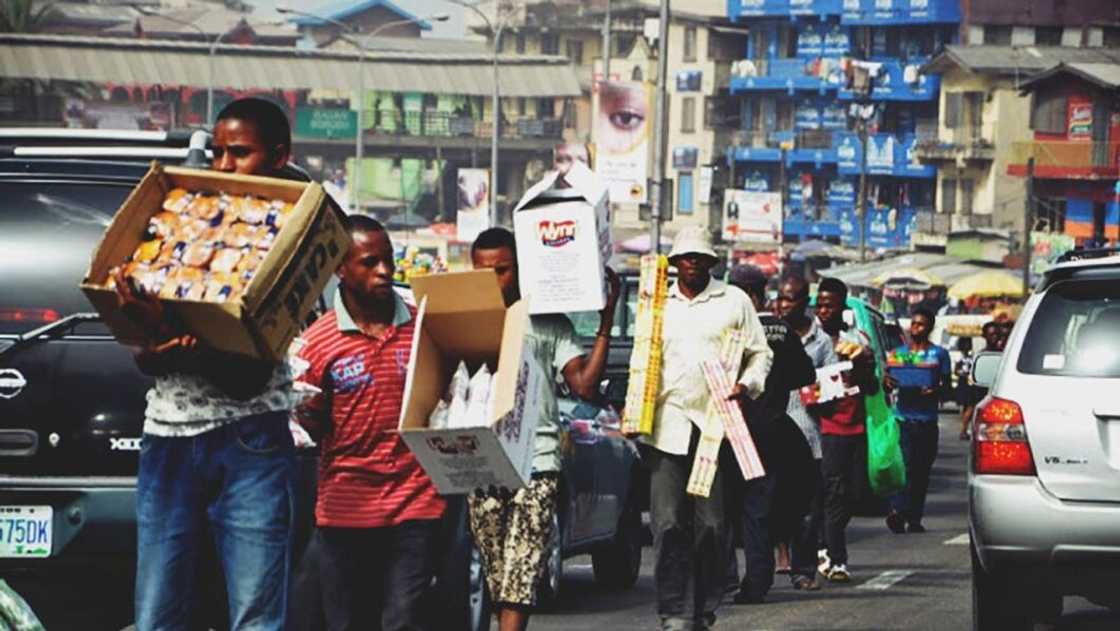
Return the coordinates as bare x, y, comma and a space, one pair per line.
496, 106
356, 39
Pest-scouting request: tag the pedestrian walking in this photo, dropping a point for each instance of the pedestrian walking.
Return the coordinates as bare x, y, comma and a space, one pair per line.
769, 505
843, 433
690, 534
217, 461
917, 411
807, 539
512, 529
377, 513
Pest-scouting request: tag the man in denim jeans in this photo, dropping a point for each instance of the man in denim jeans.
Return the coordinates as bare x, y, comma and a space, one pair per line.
217, 461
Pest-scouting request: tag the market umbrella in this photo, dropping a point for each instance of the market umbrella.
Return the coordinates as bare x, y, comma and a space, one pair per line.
988, 283
906, 277
406, 221
810, 249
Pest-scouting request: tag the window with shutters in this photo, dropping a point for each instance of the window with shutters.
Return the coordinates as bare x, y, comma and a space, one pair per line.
550, 44
997, 35
1048, 36
520, 43
954, 103
575, 51
690, 43
966, 196
688, 114
1048, 113
948, 196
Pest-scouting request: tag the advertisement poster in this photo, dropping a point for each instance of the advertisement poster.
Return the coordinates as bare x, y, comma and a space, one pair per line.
1080, 118
1046, 247
473, 214
622, 139
752, 217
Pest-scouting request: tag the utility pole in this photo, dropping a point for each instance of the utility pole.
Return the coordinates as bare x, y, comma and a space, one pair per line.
607, 44
660, 135
861, 213
1028, 221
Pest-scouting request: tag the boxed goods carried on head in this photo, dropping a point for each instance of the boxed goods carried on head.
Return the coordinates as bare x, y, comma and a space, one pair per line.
238, 260
564, 242
467, 431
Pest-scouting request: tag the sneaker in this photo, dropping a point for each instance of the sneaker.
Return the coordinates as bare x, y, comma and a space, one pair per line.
805, 584
916, 528
823, 562
895, 523
839, 573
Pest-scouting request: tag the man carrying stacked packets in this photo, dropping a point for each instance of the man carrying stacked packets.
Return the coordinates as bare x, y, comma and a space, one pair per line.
690, 533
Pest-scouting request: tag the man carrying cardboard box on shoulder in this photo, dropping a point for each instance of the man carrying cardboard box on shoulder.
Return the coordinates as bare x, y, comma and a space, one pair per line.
217, 460
377, 515
512, 530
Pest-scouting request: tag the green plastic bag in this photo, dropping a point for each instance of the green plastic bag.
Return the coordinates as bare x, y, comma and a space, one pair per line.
885, 467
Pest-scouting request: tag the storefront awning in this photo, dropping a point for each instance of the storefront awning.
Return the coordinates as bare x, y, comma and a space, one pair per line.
148, 62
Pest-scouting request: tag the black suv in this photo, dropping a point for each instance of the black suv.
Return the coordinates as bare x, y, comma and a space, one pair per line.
71, 398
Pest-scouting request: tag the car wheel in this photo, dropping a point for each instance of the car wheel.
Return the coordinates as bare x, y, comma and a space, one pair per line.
548, 591
994, 607
618, 563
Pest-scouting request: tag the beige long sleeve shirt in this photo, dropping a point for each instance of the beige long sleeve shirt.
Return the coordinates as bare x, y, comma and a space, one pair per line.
693, 332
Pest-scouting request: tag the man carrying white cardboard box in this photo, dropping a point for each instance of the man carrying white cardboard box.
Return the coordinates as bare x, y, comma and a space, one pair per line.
512, 529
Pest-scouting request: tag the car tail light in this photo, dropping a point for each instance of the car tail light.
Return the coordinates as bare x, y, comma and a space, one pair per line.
1000, 444
36, 316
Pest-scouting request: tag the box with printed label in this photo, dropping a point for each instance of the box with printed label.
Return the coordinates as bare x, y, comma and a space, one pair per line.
261, 321
564, 242
461, 317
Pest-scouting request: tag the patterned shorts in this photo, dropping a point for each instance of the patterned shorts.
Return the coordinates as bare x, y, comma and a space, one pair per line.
512, 533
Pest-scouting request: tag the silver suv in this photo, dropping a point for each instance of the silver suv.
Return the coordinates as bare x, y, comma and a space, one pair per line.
1044, 483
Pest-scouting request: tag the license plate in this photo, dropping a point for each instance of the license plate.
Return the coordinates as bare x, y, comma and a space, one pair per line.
25, 531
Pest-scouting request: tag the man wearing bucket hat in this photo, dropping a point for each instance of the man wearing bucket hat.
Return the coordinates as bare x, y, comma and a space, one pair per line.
690, 534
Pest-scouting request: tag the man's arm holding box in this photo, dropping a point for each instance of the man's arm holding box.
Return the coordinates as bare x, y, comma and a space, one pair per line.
583, 372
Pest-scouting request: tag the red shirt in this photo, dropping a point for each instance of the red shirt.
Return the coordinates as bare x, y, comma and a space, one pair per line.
847, 416
368, 478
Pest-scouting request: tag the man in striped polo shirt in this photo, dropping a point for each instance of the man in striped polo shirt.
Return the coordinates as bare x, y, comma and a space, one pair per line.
377, 513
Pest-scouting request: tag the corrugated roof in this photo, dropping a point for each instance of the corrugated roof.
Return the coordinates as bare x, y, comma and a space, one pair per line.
1007, 60
154, 62
212, 22
437, 45
343, 9
1105, 75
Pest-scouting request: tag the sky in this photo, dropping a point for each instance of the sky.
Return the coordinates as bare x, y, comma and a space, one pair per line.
453, 28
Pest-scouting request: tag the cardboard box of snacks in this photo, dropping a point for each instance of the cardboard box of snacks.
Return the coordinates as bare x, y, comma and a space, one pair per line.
461, 317
563, 242
276, 241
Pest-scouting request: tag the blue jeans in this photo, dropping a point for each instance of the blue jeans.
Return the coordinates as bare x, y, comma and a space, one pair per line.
918, 440
232, 486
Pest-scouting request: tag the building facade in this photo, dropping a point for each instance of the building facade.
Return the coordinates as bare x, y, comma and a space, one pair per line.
814, 73
1074, 154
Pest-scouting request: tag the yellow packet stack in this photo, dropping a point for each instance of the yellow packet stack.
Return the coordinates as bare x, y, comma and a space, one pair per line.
645, 359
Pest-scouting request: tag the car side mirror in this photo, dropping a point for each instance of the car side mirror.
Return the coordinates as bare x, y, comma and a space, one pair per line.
985, 367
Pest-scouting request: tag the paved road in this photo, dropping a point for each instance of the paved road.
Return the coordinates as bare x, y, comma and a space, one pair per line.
900, 581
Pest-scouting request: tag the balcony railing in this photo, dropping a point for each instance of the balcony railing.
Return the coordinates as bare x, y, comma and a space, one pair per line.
1097, 157
967, 142
447, 124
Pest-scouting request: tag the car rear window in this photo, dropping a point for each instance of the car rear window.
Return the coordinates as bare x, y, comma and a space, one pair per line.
48, 231
1075, 332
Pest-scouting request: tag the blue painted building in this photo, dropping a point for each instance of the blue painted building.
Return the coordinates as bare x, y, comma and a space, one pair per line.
802, 70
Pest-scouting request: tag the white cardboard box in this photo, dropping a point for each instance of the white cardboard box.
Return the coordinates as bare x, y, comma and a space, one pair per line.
461, 316
563, 243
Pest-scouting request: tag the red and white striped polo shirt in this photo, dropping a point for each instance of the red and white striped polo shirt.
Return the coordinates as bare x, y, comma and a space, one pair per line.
368, 478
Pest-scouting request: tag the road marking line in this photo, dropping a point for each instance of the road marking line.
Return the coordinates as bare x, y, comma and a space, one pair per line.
885, 580
959, 540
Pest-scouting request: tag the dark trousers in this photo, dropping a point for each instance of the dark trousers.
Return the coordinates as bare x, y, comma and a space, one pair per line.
843, 459
374, 578
691, 541
807, 537
919, 449
758, 545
